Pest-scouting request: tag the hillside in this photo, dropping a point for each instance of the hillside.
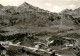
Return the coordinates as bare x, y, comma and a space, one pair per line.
39, 30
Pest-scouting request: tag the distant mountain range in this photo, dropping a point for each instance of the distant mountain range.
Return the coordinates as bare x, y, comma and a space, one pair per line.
27, 16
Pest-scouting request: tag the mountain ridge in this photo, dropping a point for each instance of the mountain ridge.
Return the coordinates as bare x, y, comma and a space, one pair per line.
26, 16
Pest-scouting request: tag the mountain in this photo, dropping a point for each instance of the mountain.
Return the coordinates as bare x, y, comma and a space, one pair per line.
1, 6
74, 13
31, 28
25, 4
26, 15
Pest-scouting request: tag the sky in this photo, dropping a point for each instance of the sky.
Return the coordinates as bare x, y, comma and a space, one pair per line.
51, 5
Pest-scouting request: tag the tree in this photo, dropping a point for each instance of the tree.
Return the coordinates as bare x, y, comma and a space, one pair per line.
51, 19
78, 54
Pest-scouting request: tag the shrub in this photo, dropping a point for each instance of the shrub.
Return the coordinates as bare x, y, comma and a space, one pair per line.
12, 21
15, 13
57, 42
18, 36
73, 35
0, 17
76, 20
56, 37
2, 31
11, 52
3, 24
58, 17
8, 11
78, 54
21, 51
42, 33
51, 19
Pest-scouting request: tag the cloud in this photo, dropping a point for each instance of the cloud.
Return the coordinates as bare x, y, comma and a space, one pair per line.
51, 5
48, 4
57, 8
11, 2
72, 0
72, 6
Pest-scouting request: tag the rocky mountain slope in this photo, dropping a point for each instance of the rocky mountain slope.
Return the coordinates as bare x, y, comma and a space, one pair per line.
27, 16
28, 24
25, 12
